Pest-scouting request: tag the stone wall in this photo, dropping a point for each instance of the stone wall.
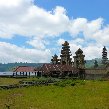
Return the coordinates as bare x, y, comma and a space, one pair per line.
94, 74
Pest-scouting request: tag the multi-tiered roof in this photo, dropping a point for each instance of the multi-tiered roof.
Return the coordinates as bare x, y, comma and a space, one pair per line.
65, 54
104, 55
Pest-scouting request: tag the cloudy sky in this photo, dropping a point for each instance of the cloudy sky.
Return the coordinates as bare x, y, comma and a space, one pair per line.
33, 30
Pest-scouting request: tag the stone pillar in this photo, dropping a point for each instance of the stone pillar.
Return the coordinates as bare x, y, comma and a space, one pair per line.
13, 73
26, 73
23, 73
29, 74
35, 74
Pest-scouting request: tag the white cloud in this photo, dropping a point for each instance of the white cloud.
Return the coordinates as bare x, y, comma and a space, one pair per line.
77, 26
37, 43
60, 41
93, 51
90, 52
12, 53
23, 17
26, 19
102, 36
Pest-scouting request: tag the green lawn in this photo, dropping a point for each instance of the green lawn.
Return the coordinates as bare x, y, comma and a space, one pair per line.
9, 81
90, 95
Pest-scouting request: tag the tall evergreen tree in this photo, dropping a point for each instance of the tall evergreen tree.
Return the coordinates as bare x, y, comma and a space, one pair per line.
95, 64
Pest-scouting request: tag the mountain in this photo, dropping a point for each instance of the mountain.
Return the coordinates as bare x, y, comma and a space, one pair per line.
90, 63
11, 66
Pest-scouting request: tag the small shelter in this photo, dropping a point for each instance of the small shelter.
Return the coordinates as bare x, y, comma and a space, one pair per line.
25, 71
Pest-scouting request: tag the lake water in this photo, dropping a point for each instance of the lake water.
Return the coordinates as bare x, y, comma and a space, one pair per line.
6, 73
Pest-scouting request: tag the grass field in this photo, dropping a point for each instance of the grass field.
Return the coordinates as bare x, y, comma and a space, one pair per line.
83, 95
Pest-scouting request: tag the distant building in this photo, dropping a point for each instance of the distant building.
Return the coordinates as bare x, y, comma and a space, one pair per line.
104, 56
59, 70
64, 66
79, 61
25, 71
65, 54
97, 73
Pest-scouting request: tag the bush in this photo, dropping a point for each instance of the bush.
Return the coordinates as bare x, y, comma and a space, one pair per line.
61, 84
73, 84
64, 83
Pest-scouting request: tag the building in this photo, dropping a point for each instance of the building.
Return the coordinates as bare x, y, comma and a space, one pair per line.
94, 74
79, 61
104, 56
25, 71
66, 54
64, 66
58, 70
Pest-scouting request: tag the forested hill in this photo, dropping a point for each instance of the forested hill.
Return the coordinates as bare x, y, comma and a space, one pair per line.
10, 66
90, 63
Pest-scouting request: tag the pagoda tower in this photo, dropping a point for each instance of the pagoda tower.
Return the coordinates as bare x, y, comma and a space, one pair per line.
55, 59
79, 61
104, 55
65, 54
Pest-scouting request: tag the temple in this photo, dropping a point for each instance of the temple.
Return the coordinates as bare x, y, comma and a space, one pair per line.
104, 55
65, 54
64, 67
79, 61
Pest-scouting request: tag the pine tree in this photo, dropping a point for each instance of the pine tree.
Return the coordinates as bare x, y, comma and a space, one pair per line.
55, 59
95, 64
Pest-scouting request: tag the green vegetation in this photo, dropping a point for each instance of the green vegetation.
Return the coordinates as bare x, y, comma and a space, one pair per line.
11, 66
66, 94
9, 81
90, 63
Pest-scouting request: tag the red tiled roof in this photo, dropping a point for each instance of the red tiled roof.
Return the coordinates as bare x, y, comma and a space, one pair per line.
52, 67
24, 69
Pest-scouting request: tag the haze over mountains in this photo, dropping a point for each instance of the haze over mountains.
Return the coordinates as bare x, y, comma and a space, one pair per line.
10, 66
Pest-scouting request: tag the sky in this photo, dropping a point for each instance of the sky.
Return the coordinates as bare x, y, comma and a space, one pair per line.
34, 30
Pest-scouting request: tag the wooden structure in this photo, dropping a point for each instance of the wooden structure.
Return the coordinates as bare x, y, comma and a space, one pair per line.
96, 73
104, 55
65, 54
79, 63
65, 67
25, 71
58, 70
